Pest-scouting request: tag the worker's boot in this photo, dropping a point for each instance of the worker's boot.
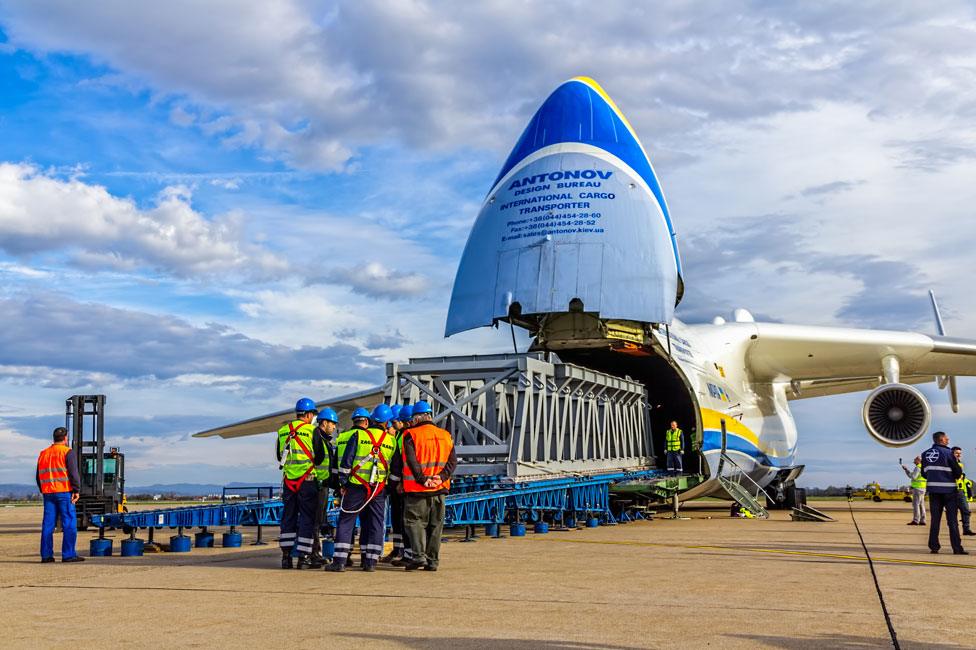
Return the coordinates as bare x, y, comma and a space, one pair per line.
387, 559
369, 566
337, 566
304, 561
286, 560
316, 561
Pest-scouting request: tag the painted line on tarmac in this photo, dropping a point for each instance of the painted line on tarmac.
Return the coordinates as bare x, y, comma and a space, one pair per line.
774, 551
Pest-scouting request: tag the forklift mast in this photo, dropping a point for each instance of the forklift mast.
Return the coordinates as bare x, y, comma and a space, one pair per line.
102, 474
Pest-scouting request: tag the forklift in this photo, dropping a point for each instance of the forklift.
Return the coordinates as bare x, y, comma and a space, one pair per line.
102, 474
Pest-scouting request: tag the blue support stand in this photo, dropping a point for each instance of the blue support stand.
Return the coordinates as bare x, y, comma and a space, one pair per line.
231, 539
593, 522
328, 548
100, 547
492, 530
131, 547
517, 530
180, 543
541, 528
203, 539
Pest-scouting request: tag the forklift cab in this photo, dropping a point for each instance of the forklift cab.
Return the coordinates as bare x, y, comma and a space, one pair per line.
102, 472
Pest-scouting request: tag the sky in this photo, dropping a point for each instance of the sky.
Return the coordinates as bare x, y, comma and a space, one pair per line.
210, 209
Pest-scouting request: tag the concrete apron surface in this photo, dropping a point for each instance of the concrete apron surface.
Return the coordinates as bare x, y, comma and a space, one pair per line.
707, 581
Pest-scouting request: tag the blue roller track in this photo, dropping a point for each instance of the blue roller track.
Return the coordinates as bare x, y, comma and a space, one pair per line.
474, 500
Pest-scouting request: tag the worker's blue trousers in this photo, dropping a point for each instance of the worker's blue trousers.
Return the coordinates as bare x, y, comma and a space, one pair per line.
58, 506
372, 519
401, 546
675, 461
298, 517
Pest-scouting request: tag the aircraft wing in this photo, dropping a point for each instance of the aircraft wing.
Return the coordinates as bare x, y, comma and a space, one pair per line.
829, 360
344, 406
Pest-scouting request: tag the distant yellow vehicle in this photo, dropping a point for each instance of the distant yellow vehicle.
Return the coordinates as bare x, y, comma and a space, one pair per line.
876, 493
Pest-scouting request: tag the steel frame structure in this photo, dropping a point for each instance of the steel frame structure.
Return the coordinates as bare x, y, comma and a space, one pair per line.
529, 415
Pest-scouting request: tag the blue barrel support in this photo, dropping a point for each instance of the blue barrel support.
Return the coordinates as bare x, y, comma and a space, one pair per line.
541, 528
570, 522
203, 539
328, 548
492, 530
592, 522
517, 530
100, 547
180, 544
131, 547
232, 538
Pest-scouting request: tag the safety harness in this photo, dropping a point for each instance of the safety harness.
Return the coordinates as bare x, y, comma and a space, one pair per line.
295, 484
373, 487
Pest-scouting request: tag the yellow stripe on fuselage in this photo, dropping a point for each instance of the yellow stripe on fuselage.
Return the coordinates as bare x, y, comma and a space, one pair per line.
712, 419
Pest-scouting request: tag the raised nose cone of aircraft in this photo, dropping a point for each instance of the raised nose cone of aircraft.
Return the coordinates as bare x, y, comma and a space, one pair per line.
575, 221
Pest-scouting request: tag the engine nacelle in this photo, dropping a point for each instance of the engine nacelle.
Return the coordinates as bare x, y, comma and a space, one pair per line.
896, 415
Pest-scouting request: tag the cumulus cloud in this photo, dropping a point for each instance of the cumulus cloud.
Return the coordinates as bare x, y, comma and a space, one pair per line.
830, 188
312, 82
40, 212
377, 281
389, 341
51, 331
862, 290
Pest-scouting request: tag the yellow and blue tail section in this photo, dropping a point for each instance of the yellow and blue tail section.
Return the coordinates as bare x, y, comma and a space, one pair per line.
576, 214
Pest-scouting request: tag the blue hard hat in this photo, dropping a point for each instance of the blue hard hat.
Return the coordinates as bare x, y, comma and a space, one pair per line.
382, 414
406, 412
304, 405
395, 409
328, 414
421, 407
361, 412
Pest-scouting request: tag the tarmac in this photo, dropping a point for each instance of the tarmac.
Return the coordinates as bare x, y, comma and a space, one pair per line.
706, 581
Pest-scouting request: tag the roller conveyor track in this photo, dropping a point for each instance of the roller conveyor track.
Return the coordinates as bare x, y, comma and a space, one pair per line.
578, 495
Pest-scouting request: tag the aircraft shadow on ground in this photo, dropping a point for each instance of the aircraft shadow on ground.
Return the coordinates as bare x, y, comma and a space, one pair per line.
837, 641
437, 643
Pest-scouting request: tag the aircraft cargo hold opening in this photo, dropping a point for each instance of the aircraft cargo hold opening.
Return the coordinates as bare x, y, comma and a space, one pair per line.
668, 396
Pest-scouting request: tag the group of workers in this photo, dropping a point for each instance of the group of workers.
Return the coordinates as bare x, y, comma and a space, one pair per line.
939, 471
391, 454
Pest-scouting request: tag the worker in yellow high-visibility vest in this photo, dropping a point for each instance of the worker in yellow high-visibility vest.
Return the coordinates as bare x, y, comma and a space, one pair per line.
964, 493
674, 446
918, 492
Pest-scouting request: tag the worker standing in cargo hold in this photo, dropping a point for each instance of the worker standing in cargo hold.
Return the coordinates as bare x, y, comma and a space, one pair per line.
363, 472
941, 472
326, 477
399, 553
674, 447
59, 482
299, 450
918, 492
429, 461
964, 495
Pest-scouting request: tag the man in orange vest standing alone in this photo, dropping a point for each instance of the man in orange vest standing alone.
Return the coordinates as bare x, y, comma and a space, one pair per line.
59, 482
429, 462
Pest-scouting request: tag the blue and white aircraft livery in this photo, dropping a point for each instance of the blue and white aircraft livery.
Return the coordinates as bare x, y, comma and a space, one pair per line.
575, 211
575, 243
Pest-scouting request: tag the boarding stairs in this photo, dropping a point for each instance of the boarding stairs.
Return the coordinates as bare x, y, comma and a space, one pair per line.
740, 486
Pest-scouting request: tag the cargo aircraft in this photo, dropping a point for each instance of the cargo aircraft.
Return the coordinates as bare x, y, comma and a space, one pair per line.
574, 242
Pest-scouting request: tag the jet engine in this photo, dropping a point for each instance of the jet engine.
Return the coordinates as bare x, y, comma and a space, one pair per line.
896, 415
